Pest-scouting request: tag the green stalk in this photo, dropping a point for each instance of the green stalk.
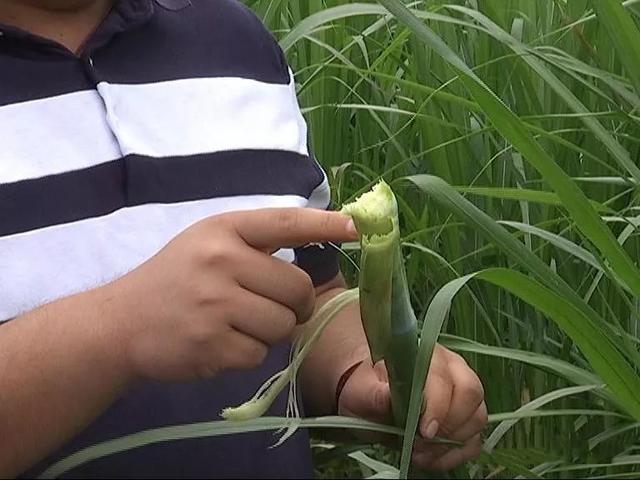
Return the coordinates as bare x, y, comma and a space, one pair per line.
403, 347
387, 316
375, 285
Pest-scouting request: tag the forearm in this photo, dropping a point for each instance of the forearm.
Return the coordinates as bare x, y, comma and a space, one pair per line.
60, 367
342, 344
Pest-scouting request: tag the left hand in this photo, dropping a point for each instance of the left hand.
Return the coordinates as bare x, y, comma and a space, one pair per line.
455, 408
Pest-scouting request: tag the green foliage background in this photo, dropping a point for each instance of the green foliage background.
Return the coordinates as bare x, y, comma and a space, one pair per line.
382, 100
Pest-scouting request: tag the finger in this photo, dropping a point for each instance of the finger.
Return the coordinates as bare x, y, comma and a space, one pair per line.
274, 228
467, 431
468, 394
457, 456
277, 280
365, 396
240, 352
439, 391
422, 447
422, 459
262, 319
381, 371
473, 426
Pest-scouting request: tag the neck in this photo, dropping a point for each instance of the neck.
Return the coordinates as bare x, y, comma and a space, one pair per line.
68, 22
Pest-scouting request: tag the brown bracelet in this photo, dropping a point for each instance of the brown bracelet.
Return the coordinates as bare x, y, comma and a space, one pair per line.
343, 381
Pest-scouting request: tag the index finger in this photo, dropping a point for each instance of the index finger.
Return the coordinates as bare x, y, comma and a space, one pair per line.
274, 228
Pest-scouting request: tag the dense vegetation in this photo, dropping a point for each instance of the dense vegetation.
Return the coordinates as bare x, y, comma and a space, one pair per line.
385, 97
510, 133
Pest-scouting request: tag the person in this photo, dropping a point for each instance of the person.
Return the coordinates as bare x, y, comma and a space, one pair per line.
160, 216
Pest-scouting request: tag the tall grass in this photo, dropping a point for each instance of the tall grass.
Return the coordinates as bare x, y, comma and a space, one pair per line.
510, 130
528, 109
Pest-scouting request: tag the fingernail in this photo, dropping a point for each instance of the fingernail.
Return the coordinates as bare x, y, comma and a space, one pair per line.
431, 430
351, 228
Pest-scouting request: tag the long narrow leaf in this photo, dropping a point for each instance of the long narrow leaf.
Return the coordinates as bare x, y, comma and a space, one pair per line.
566, 370
624, 34
513, 129
523, 194
592, 123
447, 196
530, 407
206, 429
600, 351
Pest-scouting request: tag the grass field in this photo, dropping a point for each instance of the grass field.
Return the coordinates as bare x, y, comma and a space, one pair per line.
529, 110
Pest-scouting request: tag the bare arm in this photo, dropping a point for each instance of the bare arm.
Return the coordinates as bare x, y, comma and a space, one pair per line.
341, 345
59, 369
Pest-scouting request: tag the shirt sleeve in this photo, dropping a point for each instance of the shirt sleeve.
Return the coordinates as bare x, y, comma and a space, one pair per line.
319, 261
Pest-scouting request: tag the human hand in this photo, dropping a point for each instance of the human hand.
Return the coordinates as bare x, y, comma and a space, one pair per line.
215, 298
455, 408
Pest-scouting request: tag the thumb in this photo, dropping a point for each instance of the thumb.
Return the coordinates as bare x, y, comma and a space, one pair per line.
366, 396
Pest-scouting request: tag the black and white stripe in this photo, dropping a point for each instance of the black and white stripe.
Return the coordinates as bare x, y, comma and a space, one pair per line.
101, 169
176, 118
136, 180
176, 110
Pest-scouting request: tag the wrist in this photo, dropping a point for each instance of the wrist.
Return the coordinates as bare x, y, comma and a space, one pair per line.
339, 368
110, 333
342, 344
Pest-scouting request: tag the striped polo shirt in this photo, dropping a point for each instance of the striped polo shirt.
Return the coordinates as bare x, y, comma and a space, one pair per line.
175, 110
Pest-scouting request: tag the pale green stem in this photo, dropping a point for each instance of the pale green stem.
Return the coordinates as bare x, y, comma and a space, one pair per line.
267, 394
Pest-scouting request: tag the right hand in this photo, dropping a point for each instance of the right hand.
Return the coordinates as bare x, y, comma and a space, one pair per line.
215, 298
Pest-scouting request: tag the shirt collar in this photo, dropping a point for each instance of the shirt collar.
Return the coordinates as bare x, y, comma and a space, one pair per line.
174, 4
126, 15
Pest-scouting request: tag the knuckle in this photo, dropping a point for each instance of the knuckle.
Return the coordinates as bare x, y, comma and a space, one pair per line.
439, 358
455, 357
301, 297
482, 416
438, 379
203, 254
306, 284
327, 222
445, 430
289, 321
214, 302
303, 285
206, 371
474, 391
201, 333
288, 220
224, 220
306, 289
202, 295
255, 355
215, 255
